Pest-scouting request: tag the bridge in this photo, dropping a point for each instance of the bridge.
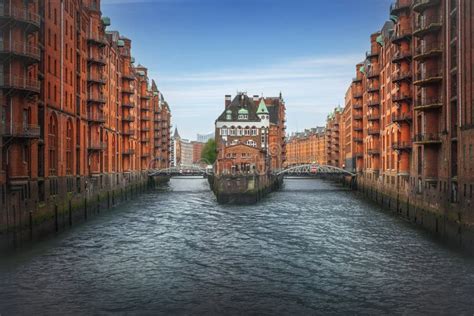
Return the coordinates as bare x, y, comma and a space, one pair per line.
312, 170
181, 170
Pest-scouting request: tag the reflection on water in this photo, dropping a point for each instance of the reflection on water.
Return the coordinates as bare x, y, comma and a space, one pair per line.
310, 248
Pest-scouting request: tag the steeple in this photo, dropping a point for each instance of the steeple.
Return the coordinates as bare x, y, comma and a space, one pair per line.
262, 108
176, 134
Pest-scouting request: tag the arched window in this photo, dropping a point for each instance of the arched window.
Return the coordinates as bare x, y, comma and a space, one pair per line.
53, 144
69, 138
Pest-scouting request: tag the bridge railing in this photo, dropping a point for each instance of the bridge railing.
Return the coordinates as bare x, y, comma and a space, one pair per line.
313, 169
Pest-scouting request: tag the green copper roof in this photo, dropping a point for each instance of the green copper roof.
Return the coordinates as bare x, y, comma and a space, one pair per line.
243, 111
394, 18
362, 69
106, 21
120, 43
380, 40
262, 108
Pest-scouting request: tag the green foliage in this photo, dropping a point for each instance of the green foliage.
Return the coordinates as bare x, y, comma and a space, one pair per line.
209, 151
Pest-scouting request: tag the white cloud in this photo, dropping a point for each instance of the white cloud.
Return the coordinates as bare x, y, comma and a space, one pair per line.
311, 86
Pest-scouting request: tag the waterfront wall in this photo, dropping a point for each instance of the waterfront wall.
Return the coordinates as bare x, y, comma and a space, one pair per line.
444, 219
75, 201
243, 189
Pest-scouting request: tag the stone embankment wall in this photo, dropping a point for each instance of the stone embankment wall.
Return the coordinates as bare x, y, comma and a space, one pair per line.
446, 221
67, 209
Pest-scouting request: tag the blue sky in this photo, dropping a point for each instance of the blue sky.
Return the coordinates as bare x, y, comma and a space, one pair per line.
200, 50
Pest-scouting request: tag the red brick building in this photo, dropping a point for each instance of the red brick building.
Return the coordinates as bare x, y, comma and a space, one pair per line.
76, 113
250, 134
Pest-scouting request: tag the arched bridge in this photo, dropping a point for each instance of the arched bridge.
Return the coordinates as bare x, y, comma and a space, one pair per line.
313, 170
181, 170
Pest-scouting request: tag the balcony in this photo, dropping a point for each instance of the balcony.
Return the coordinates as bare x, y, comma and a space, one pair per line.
400, 56
357, 106
373, 103
145, 140
99, 60
127, 90
371, 54
373, 131
399, 6
428, 50
372, 89
402, 35
96, 78
427, 139
401, 117
427, 25
21, 130
21, 49
93, 7
428, 78
145, 118
373, 72
145, 97
401, 76
128, 152
373, 151
357, 139
96, 98
93, 117
145, 155
25, 17
128, 118
358, 128
97, 146
128, 105
402, 146
128, 77
357, 95
20, 84
95, 39
421, 5
357, 117
129, 132
426, 104
401, 97
145, 129
145, 107
373, 117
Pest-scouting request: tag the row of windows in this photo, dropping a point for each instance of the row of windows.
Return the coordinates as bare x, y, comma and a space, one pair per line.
239, 132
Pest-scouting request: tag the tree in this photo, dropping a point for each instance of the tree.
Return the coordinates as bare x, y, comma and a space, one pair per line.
209, 151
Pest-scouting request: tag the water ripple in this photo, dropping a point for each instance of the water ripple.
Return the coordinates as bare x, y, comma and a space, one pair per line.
313, 248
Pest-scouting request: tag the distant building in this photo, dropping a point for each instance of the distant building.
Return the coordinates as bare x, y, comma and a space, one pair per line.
181, 150
203, 138
197, 150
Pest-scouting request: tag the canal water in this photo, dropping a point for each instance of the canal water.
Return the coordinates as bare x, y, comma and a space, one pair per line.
311, 248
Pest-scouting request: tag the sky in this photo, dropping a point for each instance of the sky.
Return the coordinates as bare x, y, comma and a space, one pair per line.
200, 50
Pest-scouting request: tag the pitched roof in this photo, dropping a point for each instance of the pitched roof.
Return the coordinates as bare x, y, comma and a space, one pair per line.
262, 108
241, 101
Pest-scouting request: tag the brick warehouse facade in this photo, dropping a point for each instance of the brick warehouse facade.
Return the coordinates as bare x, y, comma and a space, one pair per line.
408, 120
78, 118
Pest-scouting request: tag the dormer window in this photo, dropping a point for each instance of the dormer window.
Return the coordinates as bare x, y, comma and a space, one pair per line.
228, 115
243, 117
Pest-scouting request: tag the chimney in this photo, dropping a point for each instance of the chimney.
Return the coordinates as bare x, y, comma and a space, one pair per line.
255, 98
228, 100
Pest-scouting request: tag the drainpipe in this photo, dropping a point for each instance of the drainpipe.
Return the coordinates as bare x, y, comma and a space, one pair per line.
459, 66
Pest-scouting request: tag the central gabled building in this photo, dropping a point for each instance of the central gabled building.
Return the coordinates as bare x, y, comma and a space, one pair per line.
250, 134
